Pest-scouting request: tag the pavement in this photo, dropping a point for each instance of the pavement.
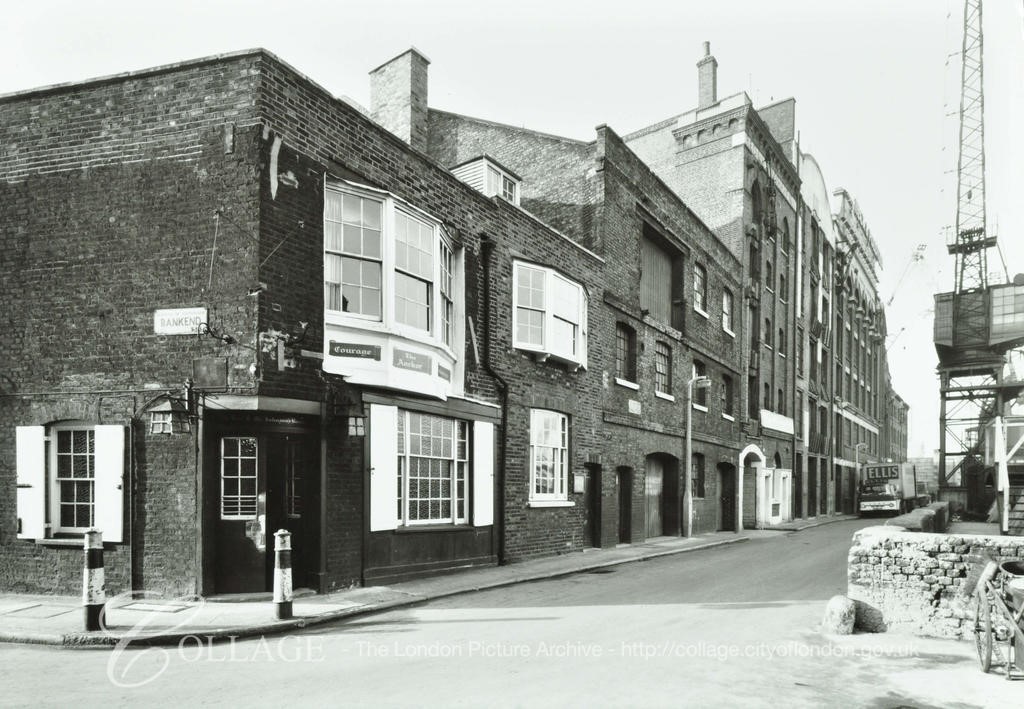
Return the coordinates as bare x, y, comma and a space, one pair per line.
59, 620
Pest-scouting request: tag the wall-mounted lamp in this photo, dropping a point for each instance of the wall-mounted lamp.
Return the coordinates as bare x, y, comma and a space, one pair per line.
169, 416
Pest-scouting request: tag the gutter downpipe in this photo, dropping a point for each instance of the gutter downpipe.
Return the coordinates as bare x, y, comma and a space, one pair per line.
487, 246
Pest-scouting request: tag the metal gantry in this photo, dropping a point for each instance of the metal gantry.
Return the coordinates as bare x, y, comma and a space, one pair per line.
968, 371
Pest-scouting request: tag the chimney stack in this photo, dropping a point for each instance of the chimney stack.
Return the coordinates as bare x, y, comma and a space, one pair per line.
398, 97
707, 79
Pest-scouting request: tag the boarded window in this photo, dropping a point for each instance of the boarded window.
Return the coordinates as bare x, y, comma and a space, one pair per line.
655, 280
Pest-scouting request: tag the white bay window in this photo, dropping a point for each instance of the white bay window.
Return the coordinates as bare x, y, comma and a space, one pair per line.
393, 289
550, 314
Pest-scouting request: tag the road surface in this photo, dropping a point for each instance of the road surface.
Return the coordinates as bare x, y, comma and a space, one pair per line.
734, 625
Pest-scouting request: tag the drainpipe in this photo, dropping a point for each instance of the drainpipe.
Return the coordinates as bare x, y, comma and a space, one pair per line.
486, 251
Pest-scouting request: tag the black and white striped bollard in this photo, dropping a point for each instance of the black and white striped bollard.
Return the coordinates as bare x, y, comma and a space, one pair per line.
94, 594
283, 574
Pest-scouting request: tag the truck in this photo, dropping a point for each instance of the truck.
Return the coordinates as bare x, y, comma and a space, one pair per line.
888, 487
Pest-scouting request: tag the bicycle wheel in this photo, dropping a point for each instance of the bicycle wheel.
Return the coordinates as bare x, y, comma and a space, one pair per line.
983, 629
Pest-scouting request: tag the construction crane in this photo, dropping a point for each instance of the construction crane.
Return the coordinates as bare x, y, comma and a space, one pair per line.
974, 324
971, 243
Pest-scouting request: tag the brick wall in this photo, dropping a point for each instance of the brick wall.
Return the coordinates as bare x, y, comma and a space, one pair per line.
635, 195
532, 531
110, 190
914, 582
330, 135
556, 186
398, 97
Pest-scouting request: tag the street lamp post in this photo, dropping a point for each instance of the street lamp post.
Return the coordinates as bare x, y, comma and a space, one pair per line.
856, 475
700, 382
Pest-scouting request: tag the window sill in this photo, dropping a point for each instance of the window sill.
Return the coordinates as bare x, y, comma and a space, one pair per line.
544, 356
700, 407
71, 542
729, 332
551, 503
440, 527
702, 313
663, 395
727, 417
628, 384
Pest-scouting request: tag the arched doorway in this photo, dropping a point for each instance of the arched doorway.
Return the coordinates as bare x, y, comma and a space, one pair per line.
624, 485
661, 495
751, 460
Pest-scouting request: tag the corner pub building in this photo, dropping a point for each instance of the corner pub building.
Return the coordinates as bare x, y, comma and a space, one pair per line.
235, 304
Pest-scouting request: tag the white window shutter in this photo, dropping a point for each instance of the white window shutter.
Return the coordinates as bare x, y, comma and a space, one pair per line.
483, 474
31, 464
584, 326
109, 493
383, 467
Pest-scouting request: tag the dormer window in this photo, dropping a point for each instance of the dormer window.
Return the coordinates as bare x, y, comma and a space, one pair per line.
502, 185
490, 177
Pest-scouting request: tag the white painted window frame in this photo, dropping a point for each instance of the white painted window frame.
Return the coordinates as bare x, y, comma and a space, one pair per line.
388, 323
404, 478
561, 493
549, 347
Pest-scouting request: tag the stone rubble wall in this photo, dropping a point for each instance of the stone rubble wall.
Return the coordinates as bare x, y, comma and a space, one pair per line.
914, 582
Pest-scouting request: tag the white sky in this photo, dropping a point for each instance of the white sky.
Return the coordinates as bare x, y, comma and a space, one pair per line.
873, 87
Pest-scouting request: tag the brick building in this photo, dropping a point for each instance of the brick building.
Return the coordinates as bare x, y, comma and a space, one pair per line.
894, 430
863, 393
734, 166
417, 340
813, 318
820, 492
670, 314
271, 313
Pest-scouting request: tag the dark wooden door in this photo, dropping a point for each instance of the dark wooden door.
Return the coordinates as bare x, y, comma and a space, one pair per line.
241, 516
289, 472
654, 488
594, 504
812, 487
624, 479
727, 498
798, 488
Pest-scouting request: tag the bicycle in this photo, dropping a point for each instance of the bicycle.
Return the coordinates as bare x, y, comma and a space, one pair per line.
998, 618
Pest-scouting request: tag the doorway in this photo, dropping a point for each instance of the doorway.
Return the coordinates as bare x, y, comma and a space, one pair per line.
624, 483
823, 490
259, 482
654, 494
837, 480
812, 487
594, 504
798, 487
726, 497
